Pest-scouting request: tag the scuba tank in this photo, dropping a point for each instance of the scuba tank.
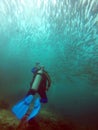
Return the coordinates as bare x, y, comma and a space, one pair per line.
37, 80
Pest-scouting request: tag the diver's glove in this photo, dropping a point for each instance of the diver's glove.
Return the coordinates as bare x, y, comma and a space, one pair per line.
43, 100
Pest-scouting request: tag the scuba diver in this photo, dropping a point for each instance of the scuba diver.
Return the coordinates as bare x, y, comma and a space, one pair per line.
39, 85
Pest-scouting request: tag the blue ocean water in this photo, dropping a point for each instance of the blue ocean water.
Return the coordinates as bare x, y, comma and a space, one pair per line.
63, 36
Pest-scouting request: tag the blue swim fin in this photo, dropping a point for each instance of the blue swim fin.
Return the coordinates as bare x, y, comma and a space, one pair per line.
21, 108
37, 106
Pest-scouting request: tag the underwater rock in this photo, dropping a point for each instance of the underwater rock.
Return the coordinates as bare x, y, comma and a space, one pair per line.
46, 120
7, 120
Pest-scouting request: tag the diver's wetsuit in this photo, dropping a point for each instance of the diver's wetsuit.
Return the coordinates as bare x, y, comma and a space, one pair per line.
43, 86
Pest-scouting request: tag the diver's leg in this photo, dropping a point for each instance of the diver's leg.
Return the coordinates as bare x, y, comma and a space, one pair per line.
31, 92
43, 96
